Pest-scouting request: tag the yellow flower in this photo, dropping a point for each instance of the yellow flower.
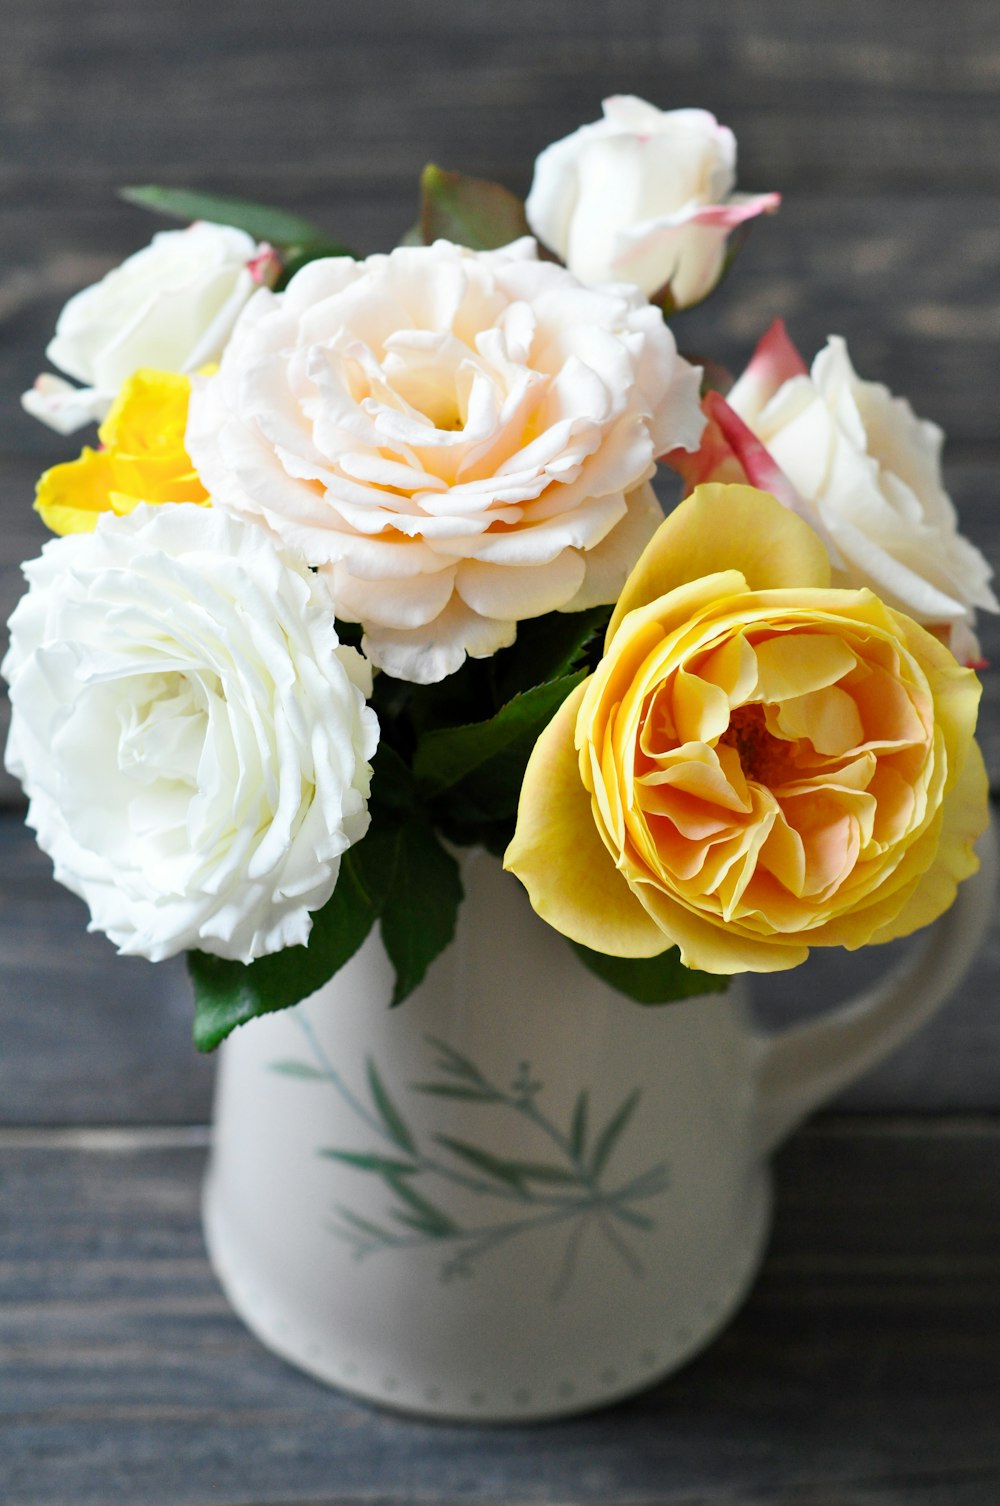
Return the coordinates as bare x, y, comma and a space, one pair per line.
759, 764
142, 459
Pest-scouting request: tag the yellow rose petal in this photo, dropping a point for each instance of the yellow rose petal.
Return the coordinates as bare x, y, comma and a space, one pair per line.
725, 528
560, 858
71, 497
143, 458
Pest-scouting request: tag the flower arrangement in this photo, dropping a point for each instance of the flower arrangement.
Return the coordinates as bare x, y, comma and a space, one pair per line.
368, 567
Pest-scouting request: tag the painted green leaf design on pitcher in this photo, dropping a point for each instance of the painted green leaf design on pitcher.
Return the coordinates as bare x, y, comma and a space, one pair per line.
569, 1186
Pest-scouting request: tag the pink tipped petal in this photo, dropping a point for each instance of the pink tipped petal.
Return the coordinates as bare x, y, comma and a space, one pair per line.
773, 363
737, 211
755, 461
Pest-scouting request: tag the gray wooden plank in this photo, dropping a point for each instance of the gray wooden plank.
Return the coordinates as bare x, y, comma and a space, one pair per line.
864, 1370
86, 1036
840, 95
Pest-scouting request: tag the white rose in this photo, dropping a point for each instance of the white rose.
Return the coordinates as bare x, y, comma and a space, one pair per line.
644, 195
192, 738
170, 306
459, 439
866, 473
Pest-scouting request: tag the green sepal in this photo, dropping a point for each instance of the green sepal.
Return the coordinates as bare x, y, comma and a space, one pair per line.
471, 212
651, 980
287, 232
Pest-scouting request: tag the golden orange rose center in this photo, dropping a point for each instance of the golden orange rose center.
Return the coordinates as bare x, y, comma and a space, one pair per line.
763, 757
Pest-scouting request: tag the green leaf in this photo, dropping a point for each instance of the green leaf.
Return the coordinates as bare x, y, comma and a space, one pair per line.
470, 211
298, 1069
276, 226
610, 1134
541, 1171
457, 1090
229, 993
388, 1112
392, 781
453, 1061
578, 1129
372, 863
364, 1226
419, 906
495, 751
651, 980
629, 1216
491, 1166
546, 648
425, 1216
386, 1166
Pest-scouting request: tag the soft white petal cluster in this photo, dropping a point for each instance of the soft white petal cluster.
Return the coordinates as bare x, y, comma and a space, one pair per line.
643, 195
171, 306
458, 439
868, 473
193, 739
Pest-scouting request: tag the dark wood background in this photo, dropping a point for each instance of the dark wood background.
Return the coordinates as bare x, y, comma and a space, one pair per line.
866, 1368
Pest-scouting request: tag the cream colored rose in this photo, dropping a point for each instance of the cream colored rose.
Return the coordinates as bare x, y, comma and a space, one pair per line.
193, 741
643, 196
866, 473
170, 306
459, 440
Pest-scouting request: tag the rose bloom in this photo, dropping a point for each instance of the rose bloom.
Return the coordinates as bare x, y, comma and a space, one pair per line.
761, 762
170, 306
862, 469
142, 458
643, 196
458, 439
193, 741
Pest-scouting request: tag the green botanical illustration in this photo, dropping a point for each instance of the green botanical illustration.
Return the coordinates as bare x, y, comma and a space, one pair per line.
571, 1183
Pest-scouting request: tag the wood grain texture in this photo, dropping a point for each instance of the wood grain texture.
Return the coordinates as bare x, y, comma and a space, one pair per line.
85, 1036
830, 95
864, 1371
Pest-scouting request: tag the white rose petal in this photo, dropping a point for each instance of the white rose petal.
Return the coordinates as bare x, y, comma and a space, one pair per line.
193, 740
459, 440
170, 306
867, 474
643, 196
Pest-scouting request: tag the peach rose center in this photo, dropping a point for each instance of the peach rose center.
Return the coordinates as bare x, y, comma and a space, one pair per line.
773, 773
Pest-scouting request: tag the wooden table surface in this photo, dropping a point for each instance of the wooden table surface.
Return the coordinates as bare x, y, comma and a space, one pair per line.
865, 1368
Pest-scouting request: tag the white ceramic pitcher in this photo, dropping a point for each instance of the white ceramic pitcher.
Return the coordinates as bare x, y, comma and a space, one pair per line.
520, 1195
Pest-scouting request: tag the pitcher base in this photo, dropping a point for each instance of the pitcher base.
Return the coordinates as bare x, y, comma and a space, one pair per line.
679, 1338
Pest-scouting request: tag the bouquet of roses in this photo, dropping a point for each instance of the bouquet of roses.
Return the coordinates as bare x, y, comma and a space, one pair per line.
368, 567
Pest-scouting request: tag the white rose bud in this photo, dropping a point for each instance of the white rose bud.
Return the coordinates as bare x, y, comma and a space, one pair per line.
643, 196
193, 740
170, 306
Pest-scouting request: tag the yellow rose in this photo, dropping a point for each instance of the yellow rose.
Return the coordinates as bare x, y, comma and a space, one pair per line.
759, 764
142, 459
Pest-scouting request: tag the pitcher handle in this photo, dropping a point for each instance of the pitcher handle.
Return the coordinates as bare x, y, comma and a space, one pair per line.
801, 1067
